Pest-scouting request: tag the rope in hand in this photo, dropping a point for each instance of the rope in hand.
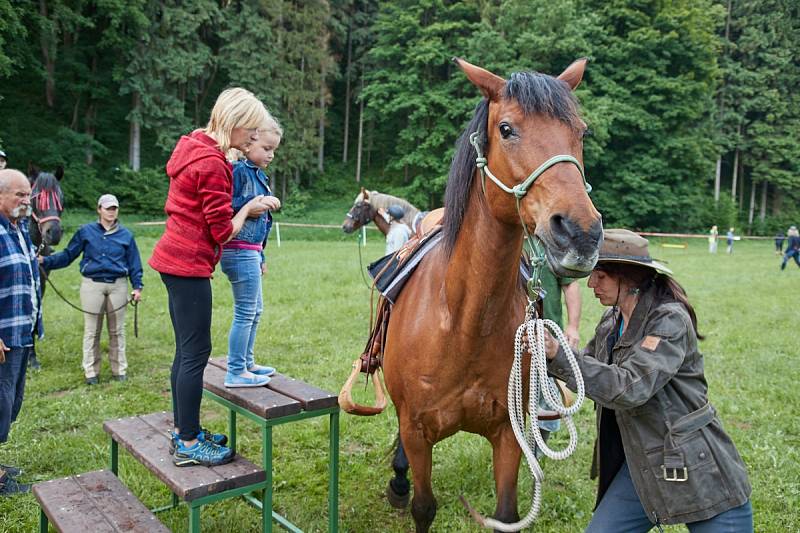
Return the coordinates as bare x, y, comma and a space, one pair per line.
130, 301
531, 333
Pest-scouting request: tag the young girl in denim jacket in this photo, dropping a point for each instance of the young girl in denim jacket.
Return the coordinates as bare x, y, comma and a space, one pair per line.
243, 260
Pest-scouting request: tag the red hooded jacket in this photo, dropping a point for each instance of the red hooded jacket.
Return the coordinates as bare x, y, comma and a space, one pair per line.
198, 209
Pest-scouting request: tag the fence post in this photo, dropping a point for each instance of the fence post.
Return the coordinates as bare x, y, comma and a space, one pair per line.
363, 235
278, 233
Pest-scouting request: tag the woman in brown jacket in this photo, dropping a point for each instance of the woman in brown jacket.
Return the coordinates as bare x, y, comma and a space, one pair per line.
661, 454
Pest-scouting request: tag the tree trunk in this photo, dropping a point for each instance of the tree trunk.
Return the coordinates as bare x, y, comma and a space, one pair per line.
752, 205
717, 179
321, 150
47, 42
741, 179
360, 135
735, 175
762, 212
135, 137
347, 95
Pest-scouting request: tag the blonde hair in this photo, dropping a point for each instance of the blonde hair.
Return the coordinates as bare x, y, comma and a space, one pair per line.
272, 126
236, 108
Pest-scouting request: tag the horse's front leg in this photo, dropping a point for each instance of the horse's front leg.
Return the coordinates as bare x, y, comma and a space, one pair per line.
506, 455
420, 456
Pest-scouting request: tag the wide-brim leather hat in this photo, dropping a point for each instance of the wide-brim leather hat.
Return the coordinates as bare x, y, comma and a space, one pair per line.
625, 246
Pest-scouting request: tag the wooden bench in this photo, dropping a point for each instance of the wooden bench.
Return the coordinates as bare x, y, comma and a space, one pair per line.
146, 437
282, 400
95, 502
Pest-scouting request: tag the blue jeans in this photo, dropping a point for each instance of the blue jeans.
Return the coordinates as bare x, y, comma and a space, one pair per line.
243, 268
620, 511
12, 387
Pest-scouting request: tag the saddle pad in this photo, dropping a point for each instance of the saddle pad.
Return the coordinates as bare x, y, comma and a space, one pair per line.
394, 270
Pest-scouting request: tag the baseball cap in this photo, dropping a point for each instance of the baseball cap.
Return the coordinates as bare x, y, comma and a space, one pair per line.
3, 155
107, 200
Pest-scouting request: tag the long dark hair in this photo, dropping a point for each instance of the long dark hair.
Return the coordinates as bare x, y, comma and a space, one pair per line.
665, 288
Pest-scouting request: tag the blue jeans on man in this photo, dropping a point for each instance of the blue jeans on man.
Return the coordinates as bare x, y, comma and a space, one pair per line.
243, 268
12, 387
620, 511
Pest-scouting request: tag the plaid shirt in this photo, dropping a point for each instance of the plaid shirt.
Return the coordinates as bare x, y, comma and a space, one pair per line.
19, 270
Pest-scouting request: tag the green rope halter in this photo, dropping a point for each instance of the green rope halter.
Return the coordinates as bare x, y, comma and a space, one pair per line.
534, 246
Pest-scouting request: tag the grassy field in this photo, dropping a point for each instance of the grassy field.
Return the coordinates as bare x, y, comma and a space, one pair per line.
315, 323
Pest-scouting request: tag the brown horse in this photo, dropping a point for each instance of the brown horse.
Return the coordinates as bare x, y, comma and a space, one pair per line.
362, 213
450, 343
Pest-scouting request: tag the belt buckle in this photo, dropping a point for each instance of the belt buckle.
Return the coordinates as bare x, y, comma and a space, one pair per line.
675, 474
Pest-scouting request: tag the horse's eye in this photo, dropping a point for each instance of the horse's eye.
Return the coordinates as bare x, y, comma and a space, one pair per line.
506, 131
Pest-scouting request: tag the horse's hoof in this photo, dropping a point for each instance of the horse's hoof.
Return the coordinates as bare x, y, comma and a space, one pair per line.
398, 501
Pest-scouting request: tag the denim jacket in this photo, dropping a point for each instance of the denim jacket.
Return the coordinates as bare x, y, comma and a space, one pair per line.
248, 182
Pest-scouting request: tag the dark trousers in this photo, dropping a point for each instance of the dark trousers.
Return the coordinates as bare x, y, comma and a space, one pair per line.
190, 311
791, 254
12, 387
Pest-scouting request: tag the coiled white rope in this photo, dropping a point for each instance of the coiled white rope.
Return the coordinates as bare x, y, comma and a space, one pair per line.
532, 333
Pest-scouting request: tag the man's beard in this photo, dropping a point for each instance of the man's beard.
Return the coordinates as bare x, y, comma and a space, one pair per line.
21, 211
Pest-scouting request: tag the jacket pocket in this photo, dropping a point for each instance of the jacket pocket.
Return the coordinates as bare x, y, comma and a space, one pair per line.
687, 476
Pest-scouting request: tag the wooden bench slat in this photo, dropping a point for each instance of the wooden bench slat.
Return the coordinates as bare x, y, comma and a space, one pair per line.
94, 502
262, 401
147, 439
310, 397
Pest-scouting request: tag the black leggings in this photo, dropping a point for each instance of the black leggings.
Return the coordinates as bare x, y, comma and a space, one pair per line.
190, 311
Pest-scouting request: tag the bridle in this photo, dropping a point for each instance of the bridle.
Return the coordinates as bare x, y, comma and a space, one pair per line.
364, 215
535, 249
44, 205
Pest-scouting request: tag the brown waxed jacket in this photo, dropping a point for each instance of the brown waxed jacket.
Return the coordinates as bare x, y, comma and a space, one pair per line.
684, 466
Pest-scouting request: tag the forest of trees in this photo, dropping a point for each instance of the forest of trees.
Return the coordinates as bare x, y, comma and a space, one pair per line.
693, 104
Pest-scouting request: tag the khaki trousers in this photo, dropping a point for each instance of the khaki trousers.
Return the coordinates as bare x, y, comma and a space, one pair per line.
101, 298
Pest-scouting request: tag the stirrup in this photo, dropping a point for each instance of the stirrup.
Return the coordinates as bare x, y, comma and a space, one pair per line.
346, 399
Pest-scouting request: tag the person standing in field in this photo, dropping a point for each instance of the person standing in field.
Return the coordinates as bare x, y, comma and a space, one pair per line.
792, 248
712, 239
399, 233
730, 238
20, 308
661, 454
779, 238
110, 257
200, 220
243, 260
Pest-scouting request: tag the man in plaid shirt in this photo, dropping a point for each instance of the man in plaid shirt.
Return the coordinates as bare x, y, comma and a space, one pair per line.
20, 307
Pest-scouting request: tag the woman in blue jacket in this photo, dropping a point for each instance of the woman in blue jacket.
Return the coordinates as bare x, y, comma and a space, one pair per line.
110, 255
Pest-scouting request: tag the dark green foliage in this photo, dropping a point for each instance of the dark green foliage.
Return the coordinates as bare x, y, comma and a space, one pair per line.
671, 88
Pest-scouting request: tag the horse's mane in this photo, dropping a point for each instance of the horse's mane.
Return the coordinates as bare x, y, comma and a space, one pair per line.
535, 93
47, 191
381, 200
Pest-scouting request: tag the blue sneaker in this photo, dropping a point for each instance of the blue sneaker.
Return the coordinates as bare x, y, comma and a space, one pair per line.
259, 370
202, 453
215, 438
238, 380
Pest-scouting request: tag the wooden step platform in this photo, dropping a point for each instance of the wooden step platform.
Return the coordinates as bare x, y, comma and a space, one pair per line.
95, 502
282, 396
146, 437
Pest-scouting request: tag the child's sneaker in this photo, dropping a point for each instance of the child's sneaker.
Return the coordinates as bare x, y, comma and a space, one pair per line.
240, 380
202, 453
215, 438
259, 370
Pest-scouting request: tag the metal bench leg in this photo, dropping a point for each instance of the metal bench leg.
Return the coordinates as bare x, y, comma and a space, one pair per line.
266, 501
194, 519
333, 474
114, 456
42, 521
232, 429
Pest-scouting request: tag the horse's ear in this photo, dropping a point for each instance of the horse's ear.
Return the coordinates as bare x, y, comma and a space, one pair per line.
489, 84
573, 74
365, 192
59, 173
33, 170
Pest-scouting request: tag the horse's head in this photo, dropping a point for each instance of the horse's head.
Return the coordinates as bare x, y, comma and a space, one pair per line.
47, 201
532, 143
360, 214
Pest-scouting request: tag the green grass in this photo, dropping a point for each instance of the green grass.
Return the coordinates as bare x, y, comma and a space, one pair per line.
315, 323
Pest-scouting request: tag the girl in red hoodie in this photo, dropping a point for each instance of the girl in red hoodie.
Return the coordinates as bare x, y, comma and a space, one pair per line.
200, 220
